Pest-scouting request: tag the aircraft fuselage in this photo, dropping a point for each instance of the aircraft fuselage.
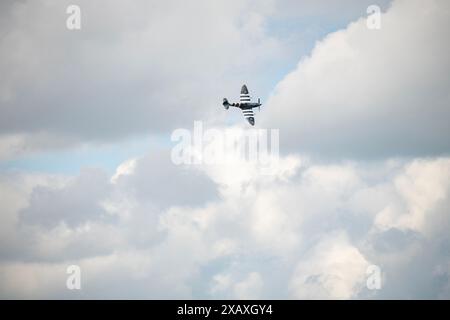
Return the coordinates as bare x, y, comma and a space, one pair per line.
247, 105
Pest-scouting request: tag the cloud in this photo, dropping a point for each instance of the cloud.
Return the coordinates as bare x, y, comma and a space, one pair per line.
307, 229
249, 288
156, 179
423, 193
77, 202
24, 144
125, 207
333, 270
118, 76
371, 93
131, 69
307, 234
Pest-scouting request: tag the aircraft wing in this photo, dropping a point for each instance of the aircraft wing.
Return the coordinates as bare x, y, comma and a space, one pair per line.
249, 115
244, 97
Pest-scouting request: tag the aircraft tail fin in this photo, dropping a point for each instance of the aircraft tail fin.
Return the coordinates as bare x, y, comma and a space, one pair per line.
225, 103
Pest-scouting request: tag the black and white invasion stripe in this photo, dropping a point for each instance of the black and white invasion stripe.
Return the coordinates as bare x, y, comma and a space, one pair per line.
248, 113
245, 97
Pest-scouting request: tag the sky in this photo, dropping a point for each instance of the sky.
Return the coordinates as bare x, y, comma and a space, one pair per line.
87, 176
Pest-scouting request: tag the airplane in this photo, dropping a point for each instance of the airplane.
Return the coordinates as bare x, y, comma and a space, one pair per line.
245, 105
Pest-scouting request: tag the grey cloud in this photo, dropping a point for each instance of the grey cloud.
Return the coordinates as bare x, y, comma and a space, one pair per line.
74, 204
91, 215
395, 240
140, 68
162, 231
299, 229
371, 93
157, 180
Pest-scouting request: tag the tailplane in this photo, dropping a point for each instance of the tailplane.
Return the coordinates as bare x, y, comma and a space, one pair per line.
225, 103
